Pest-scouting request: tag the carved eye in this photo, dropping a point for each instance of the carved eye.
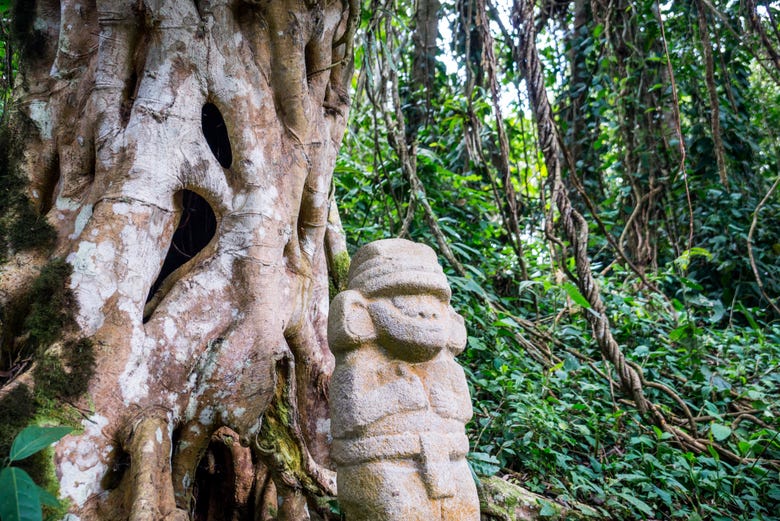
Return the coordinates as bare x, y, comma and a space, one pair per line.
418, 306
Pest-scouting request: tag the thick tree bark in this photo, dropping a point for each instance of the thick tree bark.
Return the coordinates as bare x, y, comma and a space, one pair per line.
426, 30
234, 337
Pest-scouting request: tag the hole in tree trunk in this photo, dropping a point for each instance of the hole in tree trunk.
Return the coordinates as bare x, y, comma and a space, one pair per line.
215, 131
215, 487
197, 226
128, 97
47, 195
35, 28
119, 463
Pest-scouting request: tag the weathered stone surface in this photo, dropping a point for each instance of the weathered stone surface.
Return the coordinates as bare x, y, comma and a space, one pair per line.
399, 401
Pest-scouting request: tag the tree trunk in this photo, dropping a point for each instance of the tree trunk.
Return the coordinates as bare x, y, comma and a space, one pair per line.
141, 130
422, 85
647, 157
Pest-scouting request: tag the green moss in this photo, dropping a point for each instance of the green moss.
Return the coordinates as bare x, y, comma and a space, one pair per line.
30, 229
276, 441
21, 226
500, 499
51, 304
342, 262
36, 320
339, 273
329, 503
57, 380
40, 467
53, 411
39, 319
62, 375
17, 410
33, 322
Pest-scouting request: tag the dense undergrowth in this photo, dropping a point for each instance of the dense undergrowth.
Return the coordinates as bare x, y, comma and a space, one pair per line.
562, 426
565, 431
550, 413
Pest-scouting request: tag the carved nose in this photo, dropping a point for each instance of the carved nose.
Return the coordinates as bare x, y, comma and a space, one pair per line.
428, 314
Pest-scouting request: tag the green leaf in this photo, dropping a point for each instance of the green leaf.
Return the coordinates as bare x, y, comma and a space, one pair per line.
33, 439
570, 363
749, 316
684, 260
744, 447
679, 333
547, 510
691, 284
19, 500
720, 432
484, 464
575, 294
638, 503
719, 383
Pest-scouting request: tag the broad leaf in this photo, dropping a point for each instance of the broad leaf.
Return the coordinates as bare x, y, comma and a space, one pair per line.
33, 439
720, 432
19, 500
484, 464
638, 503
547, 510
575, 295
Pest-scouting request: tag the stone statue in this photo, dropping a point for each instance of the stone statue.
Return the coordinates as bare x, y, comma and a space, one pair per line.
399, 401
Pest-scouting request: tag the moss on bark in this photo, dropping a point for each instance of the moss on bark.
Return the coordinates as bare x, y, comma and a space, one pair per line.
276, 441
502, 500
337, 281
21, 226
36, 320
39, 322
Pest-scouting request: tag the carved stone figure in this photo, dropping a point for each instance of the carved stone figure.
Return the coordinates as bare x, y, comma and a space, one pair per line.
399, 401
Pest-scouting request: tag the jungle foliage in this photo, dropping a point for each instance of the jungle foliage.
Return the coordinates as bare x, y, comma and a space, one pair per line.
667, 116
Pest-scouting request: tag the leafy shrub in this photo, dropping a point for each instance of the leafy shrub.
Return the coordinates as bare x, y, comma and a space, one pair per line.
20, 497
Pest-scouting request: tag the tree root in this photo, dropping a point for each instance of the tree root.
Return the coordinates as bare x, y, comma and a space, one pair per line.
281, 446
149, 445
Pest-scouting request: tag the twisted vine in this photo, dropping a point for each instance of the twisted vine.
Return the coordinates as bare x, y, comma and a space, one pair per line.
575, 228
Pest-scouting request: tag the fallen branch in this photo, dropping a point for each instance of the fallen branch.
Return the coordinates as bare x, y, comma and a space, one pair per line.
503, 500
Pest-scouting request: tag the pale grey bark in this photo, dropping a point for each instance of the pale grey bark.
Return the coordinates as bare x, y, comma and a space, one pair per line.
116, 100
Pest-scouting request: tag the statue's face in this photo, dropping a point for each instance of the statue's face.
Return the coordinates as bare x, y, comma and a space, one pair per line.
416, 327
